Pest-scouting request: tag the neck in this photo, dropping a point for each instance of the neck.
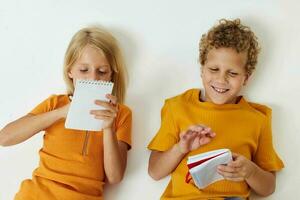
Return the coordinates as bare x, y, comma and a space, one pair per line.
202, 98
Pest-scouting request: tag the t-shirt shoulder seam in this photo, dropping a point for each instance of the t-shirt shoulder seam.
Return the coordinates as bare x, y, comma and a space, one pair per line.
254, 108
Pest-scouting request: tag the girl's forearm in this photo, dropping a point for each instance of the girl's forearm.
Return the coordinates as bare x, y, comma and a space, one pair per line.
115, 157
27, 126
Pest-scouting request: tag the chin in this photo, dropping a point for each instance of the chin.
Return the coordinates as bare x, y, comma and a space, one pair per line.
219, 102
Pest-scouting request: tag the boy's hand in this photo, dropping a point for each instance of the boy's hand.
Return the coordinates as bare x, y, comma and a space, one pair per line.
239, 169
195, 137
109, 114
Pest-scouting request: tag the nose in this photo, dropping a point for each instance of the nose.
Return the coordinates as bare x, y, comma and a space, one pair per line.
94, 76
222, 78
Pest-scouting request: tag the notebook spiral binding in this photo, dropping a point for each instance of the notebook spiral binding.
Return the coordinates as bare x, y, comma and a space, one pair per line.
106, 83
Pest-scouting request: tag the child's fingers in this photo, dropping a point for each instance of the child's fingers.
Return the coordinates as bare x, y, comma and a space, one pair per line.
188, 131
103, 118
237, 158
209, 134
213, 134
106, 105
204, 140
104, 113
228, 169
188, 136
232, 174
207, 131
236, 164
227, 175
235, 155
111, 98
201, 129
195, 128
182, 134
204, 130
237, 179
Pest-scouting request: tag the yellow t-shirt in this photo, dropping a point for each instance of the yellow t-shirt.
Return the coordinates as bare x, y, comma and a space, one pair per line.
71, 161
244, 128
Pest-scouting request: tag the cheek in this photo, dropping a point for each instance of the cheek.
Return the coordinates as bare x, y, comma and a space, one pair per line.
206, 76
109, 76
238, 83
73, 74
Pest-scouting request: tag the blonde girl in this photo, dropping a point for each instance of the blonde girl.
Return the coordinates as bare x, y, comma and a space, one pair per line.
76, 164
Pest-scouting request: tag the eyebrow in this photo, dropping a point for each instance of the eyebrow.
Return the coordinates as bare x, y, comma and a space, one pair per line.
86, 64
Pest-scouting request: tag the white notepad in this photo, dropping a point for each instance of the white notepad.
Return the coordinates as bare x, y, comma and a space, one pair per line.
85, 94
203, 167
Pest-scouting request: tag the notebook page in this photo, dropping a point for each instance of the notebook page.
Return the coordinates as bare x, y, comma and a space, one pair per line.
85, 94
206, 173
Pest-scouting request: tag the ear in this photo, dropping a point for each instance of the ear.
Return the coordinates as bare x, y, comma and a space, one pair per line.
70, 75
246, 79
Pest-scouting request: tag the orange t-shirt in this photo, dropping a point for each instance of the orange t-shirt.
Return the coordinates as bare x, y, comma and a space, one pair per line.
71, 161
244, 128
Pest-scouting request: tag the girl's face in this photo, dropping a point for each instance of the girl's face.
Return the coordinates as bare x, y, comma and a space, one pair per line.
91, 65
223, 75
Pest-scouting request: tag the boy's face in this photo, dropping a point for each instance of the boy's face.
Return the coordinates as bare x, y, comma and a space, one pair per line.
223, 75
91, 65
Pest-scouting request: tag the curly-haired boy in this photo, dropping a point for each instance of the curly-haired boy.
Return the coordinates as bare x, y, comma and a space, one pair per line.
217, 117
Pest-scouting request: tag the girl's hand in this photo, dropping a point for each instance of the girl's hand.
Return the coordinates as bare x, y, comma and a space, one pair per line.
194, 137
109, 114
239, 169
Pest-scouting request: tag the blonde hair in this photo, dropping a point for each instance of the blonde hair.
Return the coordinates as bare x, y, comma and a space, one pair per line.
231, 34
98, 38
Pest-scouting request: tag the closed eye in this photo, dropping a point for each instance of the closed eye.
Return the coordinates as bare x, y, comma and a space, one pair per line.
213, 69
83, 70
102, 72
233, 74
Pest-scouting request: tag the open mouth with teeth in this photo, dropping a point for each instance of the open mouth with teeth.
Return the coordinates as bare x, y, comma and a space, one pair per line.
220, 90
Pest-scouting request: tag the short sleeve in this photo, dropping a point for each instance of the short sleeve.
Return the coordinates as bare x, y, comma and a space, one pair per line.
45, 106
168, 134
265, 155
123, 125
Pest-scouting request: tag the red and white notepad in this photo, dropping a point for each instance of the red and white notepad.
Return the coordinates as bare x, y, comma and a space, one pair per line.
203, 167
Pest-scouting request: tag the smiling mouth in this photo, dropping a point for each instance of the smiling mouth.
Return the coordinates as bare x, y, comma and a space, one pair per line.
219, 90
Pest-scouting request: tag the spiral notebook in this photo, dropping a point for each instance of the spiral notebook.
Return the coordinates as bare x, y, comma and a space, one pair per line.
203, 167
83, 101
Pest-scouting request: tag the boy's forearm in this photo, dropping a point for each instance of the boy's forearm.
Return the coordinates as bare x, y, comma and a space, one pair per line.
161, 164
262, 182
25, 127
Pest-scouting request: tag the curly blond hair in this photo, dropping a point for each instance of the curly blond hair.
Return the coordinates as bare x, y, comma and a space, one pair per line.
231, 34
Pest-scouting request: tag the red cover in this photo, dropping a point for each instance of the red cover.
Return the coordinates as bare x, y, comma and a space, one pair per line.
191, 165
